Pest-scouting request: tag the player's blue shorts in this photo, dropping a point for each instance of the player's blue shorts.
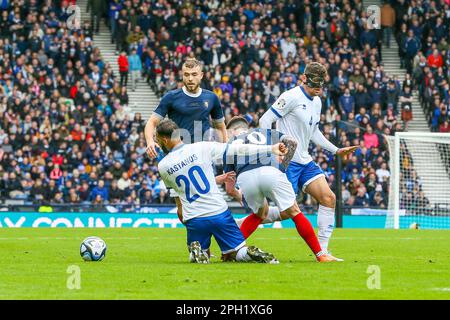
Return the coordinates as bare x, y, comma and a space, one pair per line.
222, 226
300, 175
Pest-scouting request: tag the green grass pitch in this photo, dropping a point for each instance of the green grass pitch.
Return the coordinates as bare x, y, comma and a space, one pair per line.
153, 264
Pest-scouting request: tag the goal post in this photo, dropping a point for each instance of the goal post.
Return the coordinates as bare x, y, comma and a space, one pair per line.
419, 194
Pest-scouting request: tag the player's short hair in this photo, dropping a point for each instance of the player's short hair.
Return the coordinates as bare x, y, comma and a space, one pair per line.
192, 63
238, 122
315, 74
168, 128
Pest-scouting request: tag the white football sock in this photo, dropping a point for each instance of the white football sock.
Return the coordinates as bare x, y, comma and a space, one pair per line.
325, 222
239, 221
242, 255
272, 216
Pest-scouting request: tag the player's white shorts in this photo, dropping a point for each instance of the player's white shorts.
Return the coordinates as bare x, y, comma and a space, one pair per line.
262, 182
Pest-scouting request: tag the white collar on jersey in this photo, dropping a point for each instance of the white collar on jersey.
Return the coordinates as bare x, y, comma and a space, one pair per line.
178, 146
196, 95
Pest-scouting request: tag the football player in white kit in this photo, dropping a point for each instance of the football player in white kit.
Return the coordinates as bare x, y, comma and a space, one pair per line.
201, 206
297, 114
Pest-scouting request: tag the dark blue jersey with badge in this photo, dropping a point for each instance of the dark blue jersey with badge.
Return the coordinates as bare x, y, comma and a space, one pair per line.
191, 112
260, 136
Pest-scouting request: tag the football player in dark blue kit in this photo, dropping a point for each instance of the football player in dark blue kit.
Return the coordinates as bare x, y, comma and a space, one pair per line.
191, 108
261, 177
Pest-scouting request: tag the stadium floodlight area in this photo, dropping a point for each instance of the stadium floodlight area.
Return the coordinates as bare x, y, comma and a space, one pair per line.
419, 194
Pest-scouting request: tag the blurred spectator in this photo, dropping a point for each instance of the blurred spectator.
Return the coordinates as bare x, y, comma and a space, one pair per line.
370, 138
387, 21
361, 199
100, 190
123, 68
378, 201
406, 106
382, 172
444, 127
135, 67
435, 59
411, 47
347, 103
96, 13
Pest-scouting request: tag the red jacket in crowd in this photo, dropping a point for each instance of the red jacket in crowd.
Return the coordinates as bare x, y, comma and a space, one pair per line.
123, 63
445, 127
58, 159
76, 135
73, 91
435, 62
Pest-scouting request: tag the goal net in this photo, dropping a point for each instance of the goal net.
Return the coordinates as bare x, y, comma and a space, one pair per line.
419, 194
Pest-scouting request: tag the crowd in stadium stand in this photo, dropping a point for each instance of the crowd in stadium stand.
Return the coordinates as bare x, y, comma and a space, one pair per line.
423, 36
424, 42
67, 133
69, 136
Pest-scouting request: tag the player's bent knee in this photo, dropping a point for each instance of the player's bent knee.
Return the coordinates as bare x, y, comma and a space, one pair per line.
291, 212
328, 200
263, 212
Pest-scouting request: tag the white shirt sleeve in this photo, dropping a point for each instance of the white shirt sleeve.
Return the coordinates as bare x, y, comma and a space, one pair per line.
319, 139
217, 150
247, 149
213, 150
164, 176
281, 107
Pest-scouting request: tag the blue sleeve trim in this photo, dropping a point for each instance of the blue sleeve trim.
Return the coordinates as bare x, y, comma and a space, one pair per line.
224, 158
276, 112
306, 94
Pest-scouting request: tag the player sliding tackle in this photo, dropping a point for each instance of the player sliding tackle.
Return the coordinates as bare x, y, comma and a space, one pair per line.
260, 177
201, 207
297, 114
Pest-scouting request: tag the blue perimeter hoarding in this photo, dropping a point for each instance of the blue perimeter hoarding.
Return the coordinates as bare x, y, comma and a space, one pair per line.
150, 220
165, 217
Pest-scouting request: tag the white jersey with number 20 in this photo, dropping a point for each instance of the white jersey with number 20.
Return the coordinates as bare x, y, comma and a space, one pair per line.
188, 170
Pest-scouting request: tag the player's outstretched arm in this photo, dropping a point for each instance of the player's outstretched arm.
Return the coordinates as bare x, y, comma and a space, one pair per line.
148, 132
278, 149
347, 150
222, 131
319, 139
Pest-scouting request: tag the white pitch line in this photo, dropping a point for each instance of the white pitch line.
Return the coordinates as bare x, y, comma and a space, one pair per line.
254, 237
346, 238
69, 238
377, 238
441, 289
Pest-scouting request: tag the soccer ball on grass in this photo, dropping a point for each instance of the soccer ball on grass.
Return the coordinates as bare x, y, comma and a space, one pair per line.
93, 249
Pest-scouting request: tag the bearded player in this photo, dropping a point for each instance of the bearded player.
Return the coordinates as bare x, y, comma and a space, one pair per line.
297, 114
200, 205
191, 108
